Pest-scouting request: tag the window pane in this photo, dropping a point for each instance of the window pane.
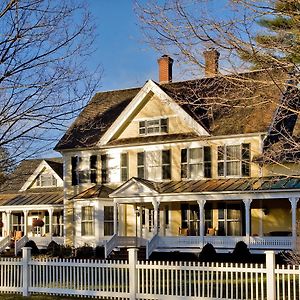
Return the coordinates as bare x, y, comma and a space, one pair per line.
221, 152
183, 170
124, 159
141, 172
195, 155
183, 155
93, 162
233, 168
195, 171
108, 213
166, 156
166, 172
140, 158
233, 152
220, 169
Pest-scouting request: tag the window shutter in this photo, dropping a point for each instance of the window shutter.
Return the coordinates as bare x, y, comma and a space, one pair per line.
246, 156
207, 161
74, 166
184, 163
166, 164
93, 168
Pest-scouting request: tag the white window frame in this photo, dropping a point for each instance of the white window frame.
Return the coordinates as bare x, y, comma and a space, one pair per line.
148, 126
189, 164
45, 175
87, 221
225, 160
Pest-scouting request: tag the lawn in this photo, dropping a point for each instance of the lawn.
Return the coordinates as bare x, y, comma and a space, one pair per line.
35, 297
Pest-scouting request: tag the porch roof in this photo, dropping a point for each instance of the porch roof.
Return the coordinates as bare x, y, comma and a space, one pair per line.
32, 199
96, 191
218, 185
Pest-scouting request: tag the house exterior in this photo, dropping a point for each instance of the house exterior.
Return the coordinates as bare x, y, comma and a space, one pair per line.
33, 192
176, 165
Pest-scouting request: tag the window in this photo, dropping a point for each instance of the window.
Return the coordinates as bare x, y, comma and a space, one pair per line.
190, 219
141, 164
93, 168
104, 171
229, 220
157, 126
157, 164
108, 220
124, 166
46, 180
87, 221
84, 170
196, 162
234, 160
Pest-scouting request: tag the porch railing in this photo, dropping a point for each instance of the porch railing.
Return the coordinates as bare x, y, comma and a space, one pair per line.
4, 243
151, 245
19, 244
224, 242
110, 245
123, 241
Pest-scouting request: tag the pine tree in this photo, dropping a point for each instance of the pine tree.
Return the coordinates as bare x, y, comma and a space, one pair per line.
282, 42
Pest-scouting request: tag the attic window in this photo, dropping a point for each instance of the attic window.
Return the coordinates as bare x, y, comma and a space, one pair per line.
149, 127
46, 180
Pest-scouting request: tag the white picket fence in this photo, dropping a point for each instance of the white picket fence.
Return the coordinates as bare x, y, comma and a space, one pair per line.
135, 279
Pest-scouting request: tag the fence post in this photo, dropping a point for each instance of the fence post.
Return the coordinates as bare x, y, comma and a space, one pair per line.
26, 257
133, 284
270, 270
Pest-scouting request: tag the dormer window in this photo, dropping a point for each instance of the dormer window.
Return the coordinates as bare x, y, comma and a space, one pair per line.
46, 180
150, 127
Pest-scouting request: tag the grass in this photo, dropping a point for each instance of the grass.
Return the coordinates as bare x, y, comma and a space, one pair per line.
34, 297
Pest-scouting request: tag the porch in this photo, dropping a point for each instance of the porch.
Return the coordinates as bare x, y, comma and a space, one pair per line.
42, 225
187, 219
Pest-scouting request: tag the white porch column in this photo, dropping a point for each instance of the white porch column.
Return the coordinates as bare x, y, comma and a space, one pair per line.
8, 223
294, 201
25, 213
116, 218
201, 204
155, 204
247, 203
50, 211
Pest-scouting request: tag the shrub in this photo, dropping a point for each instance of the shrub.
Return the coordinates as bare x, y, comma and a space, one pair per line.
99, 252
84, 252
34, 248
241, 252
53, 249
208, 253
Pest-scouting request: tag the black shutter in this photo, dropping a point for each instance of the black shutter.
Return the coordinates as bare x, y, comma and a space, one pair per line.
207, 161
74, 166
166, 164
246, 156
184, 164
93, 168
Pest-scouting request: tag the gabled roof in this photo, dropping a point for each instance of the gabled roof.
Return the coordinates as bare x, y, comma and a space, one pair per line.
25, 169
223, 105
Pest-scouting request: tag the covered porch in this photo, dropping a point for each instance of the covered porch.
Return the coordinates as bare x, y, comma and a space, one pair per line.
186, 222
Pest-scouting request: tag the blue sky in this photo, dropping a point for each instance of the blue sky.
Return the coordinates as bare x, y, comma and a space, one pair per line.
126, 59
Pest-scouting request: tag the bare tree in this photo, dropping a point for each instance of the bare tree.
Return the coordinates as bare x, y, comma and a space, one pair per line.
44, 79
248, 35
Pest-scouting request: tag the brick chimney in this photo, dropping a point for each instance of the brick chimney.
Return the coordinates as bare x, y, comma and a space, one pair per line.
211, 57
165, 69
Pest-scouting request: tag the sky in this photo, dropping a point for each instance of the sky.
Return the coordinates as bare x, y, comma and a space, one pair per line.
126, 59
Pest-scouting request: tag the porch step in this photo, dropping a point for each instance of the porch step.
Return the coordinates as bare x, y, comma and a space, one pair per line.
122, 254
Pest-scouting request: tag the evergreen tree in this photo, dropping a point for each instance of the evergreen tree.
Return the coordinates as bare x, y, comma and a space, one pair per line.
281, 43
